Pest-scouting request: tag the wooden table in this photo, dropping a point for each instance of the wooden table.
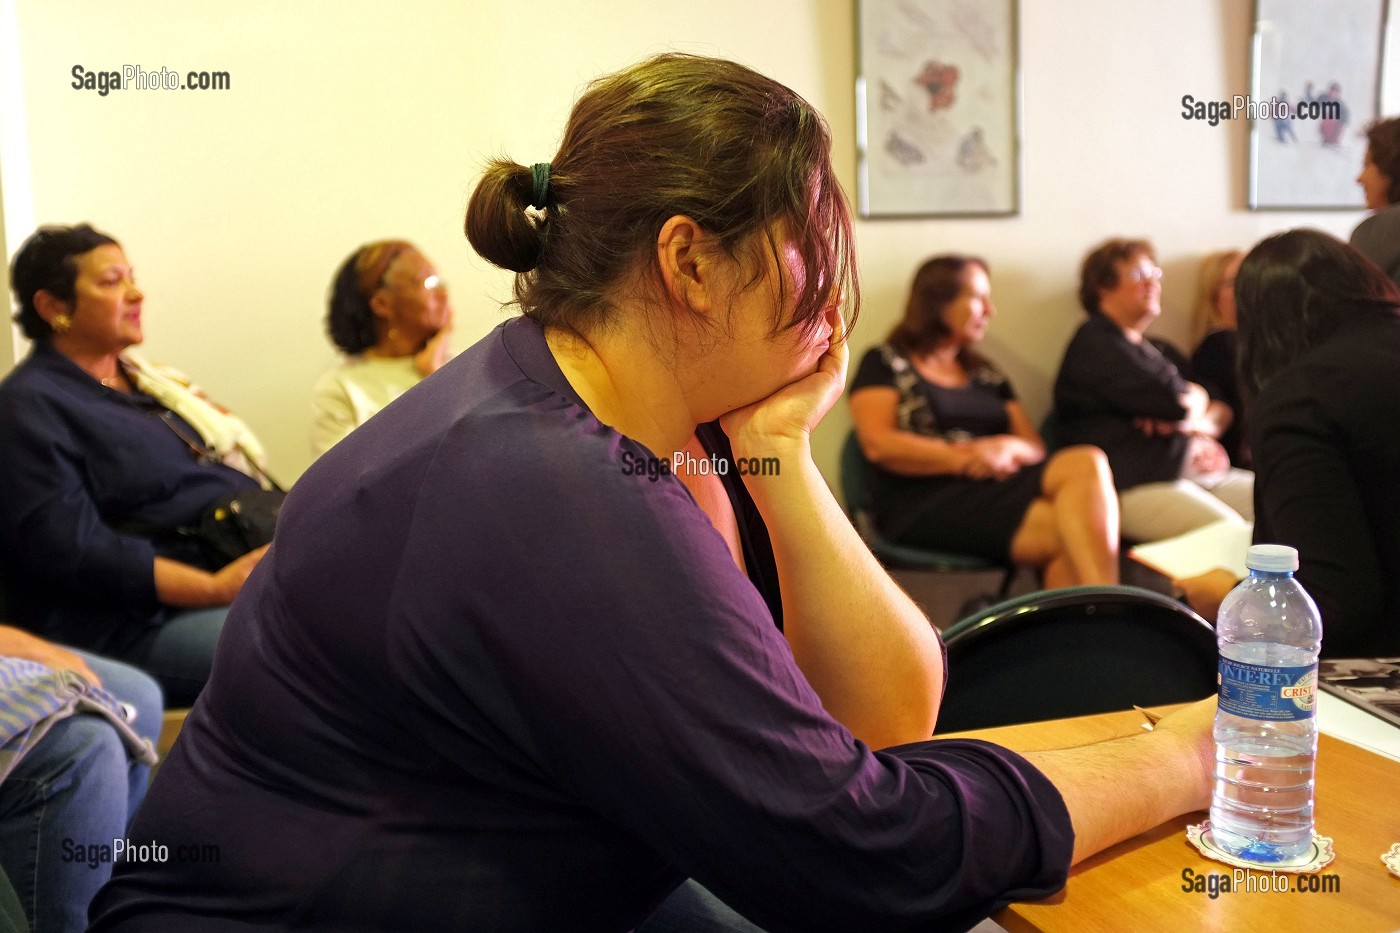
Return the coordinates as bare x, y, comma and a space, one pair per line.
1138, 884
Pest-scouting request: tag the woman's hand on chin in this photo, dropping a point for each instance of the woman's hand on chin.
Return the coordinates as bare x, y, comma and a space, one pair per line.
436, 351
786, 418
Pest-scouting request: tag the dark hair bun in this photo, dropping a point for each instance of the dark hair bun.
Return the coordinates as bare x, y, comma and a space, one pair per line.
497, 225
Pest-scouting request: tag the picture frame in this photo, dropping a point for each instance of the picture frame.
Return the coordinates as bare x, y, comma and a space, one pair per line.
938, 108
1315, 85
1373, 684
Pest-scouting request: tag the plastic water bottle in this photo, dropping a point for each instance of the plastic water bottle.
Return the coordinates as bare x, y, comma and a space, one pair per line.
1269, 634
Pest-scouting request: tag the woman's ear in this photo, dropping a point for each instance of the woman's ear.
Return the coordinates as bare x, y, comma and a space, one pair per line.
686, 259
381, 303
50, 306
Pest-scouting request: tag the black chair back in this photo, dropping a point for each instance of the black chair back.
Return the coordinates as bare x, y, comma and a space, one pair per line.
857, 478
1074, 652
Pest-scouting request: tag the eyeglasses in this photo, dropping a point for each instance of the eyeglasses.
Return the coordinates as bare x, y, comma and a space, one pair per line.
1139, 275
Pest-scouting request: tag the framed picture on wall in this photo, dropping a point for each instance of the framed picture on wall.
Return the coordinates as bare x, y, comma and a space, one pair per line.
938, 108
1316, 84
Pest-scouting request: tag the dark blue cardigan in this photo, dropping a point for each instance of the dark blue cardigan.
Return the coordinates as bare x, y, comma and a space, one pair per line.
78, 461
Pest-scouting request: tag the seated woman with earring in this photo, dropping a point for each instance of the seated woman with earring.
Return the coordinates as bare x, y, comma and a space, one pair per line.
110, 466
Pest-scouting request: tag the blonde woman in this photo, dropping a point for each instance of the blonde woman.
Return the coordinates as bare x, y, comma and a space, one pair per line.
1213, 335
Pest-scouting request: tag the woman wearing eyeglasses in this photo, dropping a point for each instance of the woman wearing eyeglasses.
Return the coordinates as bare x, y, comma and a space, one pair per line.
389, 313
1131, 396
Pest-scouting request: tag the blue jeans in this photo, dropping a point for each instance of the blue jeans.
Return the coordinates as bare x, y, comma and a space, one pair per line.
180, 653
693, 909
76, 785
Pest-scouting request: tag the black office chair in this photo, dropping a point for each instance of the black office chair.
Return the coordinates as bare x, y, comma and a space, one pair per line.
1074, 652
857, 478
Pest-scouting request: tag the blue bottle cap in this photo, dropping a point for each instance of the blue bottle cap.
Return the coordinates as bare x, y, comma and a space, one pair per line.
1271, 558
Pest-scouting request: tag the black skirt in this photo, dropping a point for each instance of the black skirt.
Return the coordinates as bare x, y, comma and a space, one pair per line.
961, 515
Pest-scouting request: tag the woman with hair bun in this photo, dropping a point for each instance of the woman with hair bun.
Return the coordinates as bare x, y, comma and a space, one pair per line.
516, 661
389, 314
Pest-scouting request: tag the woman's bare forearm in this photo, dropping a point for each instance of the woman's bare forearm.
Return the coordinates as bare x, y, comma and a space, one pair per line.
181, 585
1117, 789
189, 587
867, 649
910, 454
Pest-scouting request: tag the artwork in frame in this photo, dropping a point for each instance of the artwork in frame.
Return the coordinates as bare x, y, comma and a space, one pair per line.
938, 108
1316, 85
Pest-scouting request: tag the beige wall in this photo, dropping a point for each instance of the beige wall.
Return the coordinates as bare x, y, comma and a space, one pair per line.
16, 198
354, 120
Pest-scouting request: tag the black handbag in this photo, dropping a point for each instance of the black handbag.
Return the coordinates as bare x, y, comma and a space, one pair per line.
234, 524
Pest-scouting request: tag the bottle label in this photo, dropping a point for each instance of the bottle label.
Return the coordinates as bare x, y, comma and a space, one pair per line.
1257, 691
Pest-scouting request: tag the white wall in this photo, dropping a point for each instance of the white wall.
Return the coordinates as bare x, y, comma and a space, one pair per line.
355, 120
16, 201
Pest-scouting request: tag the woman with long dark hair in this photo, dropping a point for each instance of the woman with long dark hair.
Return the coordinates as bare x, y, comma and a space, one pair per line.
1319, 329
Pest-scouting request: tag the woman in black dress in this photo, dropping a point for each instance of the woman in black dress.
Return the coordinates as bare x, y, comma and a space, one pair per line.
959, 466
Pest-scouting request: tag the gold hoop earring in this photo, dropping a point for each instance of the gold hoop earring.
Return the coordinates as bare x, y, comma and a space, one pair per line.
62, 323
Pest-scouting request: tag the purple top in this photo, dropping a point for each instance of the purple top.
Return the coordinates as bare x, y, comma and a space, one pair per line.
487, 680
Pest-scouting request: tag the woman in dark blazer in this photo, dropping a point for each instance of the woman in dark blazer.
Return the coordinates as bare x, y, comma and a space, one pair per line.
105, 459
1319, 328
